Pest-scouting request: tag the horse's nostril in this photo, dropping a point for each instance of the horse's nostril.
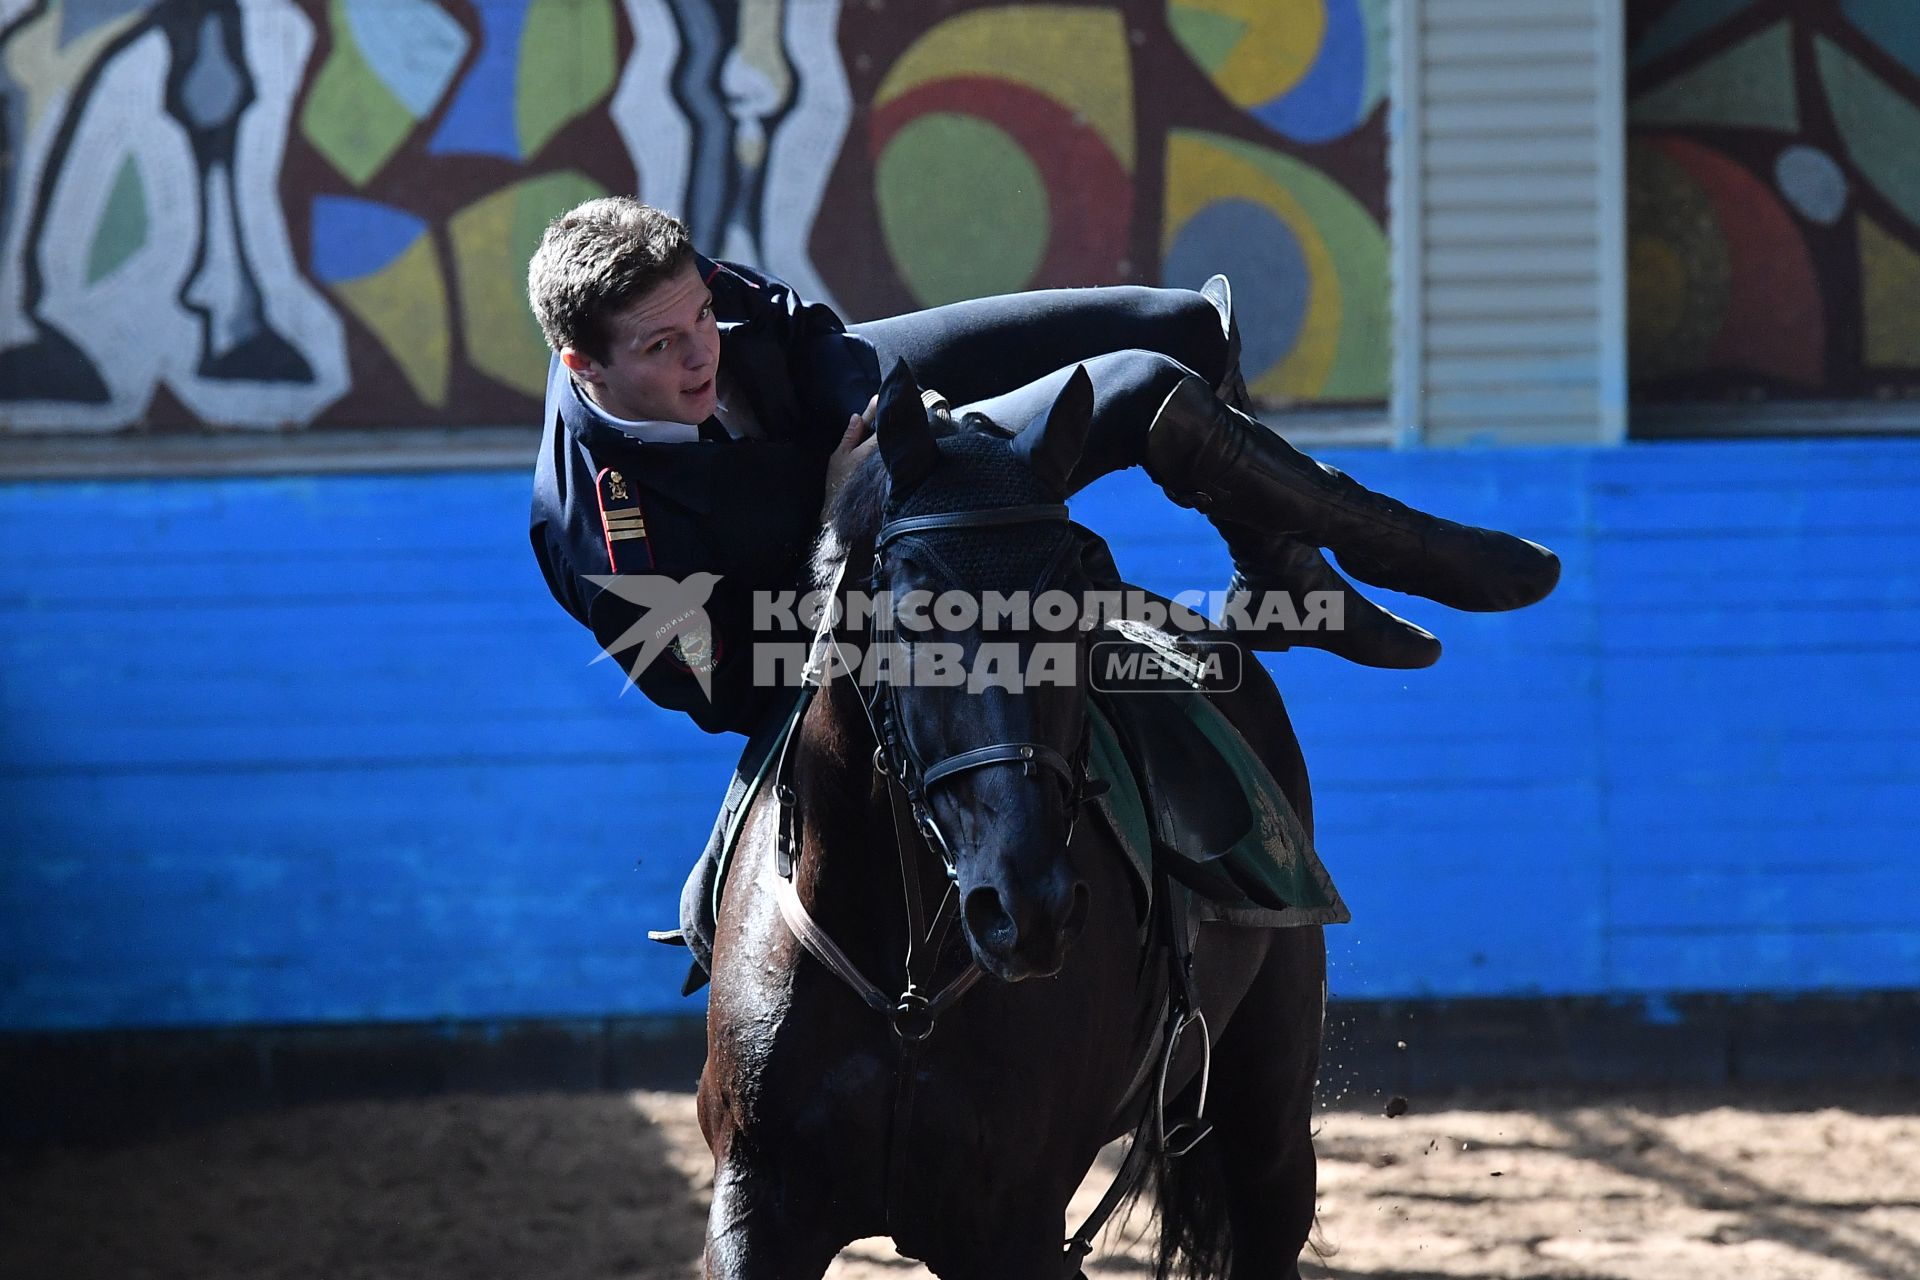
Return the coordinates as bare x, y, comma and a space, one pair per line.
988, 921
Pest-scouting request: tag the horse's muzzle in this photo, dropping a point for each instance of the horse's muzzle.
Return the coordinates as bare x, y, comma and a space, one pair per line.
1029, 935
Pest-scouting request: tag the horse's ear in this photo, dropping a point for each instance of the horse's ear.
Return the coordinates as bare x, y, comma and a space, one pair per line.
1052, 445
906, 438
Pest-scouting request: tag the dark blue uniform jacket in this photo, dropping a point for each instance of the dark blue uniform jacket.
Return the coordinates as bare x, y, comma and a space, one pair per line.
747, 510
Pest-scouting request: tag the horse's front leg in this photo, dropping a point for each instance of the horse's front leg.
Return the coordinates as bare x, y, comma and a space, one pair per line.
788, 1094
793, 1174
764, 1224
773, 1181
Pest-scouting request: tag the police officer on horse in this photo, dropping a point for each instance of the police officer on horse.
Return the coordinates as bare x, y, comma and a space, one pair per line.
698, 414
698, 411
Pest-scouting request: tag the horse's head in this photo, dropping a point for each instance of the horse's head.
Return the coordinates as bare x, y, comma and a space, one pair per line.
981, 711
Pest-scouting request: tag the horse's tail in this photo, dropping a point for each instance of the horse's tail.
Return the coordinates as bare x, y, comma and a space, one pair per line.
1196, 1242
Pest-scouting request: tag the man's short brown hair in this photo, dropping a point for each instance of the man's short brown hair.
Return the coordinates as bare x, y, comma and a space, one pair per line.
594, 261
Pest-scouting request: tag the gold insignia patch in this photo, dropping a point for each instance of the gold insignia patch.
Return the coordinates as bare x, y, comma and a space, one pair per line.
622, 525
621, 516
694, 650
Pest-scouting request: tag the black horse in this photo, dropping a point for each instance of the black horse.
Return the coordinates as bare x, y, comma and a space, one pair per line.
959, 1119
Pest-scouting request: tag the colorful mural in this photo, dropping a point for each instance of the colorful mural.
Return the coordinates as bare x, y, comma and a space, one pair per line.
1309, 258
1774, 206
1317, 324
290, 213
146, 257
1032, 146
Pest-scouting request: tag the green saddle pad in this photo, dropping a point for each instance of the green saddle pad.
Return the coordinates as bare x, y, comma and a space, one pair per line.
1225, 831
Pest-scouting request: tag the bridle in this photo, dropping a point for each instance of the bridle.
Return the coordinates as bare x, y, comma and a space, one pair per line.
897, 753
909, 780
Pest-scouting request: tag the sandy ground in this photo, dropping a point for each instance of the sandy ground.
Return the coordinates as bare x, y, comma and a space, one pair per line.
1701, 1187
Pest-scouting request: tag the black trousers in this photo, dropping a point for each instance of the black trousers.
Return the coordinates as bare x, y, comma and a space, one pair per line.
1008, 357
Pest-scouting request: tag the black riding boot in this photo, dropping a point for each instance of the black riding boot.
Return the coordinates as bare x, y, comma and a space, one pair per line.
1210, 456
1269, 565
1265, 563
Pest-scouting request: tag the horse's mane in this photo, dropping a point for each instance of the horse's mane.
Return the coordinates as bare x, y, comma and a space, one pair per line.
853, 519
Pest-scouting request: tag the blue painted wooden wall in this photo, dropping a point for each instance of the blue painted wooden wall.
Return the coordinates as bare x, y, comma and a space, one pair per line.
304, 749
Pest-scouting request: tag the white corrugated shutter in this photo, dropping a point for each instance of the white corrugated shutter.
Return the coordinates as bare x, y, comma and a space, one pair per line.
1509, 198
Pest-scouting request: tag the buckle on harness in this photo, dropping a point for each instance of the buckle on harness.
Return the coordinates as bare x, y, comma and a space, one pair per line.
912, 1017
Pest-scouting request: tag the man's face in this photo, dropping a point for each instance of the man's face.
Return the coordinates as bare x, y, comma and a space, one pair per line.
663, 352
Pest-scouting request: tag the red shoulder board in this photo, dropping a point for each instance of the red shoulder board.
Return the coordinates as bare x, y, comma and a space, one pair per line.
624, 523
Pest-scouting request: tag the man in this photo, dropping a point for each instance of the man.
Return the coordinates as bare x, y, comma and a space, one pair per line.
697, 413
661, 458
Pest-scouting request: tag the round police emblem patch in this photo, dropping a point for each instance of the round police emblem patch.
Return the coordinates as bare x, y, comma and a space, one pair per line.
695, 650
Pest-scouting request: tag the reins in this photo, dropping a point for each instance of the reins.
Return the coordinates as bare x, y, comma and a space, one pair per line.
913, 1013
